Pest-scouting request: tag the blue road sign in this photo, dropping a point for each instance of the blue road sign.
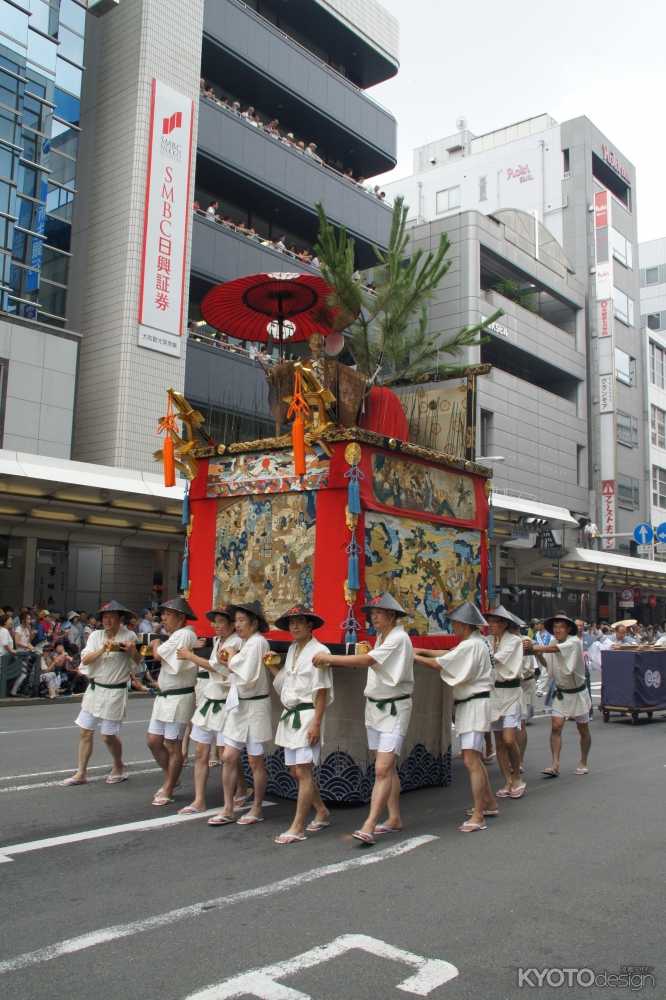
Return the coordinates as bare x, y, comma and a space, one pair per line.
660, 532
643, 533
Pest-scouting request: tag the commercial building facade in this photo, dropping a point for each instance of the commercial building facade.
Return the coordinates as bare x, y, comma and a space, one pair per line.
569, 196
152, 141
652, 256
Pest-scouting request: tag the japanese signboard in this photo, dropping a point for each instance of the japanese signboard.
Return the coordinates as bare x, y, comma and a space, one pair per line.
608, 512
166, 220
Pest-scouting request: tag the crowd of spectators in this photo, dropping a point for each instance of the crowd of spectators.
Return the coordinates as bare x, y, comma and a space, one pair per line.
213, 213
48, 646
271, 126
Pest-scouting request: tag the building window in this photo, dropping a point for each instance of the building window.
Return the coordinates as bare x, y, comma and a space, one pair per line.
628, 493
483, 188
447, 200
566, 164
625, 367
580, 463
485, 432
658, 487
627, 429
623, 307
622, 248
651, 275
657, 365
658, 426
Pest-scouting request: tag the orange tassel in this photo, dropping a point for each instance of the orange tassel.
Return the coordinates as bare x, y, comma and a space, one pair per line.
298, 444
169, 462
297, 408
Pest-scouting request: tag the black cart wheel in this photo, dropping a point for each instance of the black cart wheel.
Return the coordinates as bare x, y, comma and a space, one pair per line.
606, 715
649, 715
634, 718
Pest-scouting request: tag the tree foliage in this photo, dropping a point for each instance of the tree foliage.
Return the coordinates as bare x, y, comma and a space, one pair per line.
387, 324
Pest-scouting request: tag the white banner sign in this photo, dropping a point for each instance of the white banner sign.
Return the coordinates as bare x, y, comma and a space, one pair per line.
608, 513
606, 389
166, 220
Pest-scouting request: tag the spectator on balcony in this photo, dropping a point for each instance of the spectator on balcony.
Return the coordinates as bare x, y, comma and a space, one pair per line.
289, 138
300, 145
273, 128
280, 244
235, 106
211, 211
311, 150
250, 116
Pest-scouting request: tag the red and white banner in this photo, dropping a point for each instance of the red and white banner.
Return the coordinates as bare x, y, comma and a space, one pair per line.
600, 209
166, 220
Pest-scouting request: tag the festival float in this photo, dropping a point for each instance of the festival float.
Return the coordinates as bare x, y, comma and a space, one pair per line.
338, 509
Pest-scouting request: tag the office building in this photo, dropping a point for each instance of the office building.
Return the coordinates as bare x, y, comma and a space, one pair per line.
571, 196
160, 130
652, 256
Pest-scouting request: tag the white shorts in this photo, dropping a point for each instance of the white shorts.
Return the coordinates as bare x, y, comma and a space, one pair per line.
254, 749
571, 718
511, 721
208, 736
169, 730
473, 741
384, 742
302, 755
107, 727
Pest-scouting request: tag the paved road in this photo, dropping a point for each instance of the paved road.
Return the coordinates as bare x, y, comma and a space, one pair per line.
570, 876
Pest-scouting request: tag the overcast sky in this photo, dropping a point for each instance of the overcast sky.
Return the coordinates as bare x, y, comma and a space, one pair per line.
499, 62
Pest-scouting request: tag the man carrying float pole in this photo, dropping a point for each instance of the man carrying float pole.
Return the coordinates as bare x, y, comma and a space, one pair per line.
305, 693
468, 670
572, 700
174, 703
388, 708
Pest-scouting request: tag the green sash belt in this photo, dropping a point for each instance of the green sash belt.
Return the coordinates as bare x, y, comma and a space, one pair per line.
515, 683
295, 713
94, 684
255, 697
560, 692
203, 675
217, 704
166, 694
381, 703
481, 694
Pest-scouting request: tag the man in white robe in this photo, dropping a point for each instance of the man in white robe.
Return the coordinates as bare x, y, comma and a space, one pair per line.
388, 708
174, 702
305, 693
108, 660
211, 694
247, 723
467, 668
566, 667
507, 655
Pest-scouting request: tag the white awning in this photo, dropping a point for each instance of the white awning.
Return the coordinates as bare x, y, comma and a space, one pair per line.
99, 477
532, 508
615, 561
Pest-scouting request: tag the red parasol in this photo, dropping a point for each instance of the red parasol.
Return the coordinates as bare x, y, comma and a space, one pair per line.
281, 305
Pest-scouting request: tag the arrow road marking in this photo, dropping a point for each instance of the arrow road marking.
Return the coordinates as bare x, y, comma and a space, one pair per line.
113, 933
430, 972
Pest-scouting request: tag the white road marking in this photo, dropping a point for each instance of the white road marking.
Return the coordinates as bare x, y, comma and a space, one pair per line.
53, 729
117, 931
8, 853
56, 784
68, 770
430, 972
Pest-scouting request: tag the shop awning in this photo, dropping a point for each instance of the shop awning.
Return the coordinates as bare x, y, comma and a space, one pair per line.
531, 508
615, 562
